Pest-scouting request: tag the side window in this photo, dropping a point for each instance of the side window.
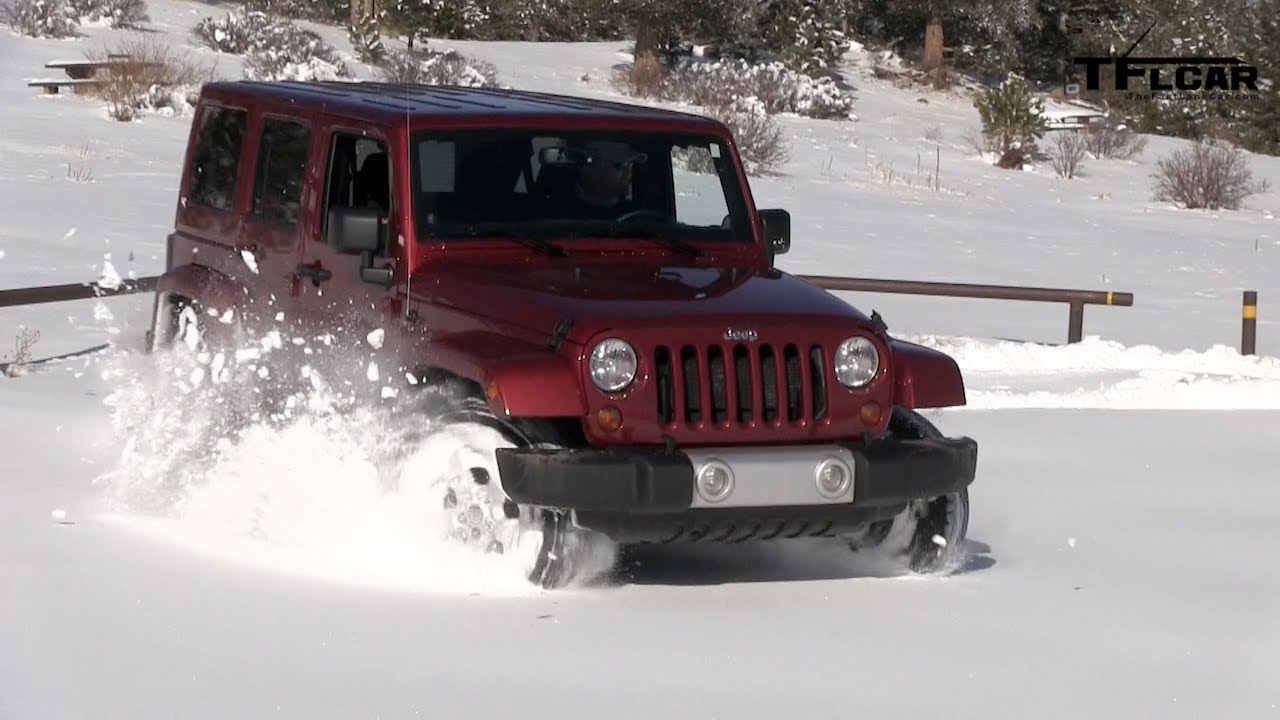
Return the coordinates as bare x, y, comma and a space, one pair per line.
280, 170
359, 174
699, 195
217, 157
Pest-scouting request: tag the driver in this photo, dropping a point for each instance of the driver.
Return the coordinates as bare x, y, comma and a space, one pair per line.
602, 184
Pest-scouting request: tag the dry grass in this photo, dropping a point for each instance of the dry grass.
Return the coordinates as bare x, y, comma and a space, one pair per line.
148, 79
22, 345
78, 170
645, 78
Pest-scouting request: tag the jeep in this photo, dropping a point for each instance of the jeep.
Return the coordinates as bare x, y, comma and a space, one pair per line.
595, 283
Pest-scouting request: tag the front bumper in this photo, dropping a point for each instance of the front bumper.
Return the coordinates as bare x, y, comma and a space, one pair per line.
651, 496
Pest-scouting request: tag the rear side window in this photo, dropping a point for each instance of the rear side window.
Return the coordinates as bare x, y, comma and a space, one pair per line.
280, 170
217, 157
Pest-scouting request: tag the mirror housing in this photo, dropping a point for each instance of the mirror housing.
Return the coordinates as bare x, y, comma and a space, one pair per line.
355, 230
777, 232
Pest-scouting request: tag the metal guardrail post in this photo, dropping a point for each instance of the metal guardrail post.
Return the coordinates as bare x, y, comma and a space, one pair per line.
1075, 322
1249, 323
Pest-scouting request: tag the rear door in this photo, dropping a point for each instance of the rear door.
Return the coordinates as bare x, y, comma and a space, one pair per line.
274, 221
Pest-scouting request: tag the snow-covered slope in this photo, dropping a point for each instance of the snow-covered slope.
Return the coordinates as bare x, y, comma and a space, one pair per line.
1123, 522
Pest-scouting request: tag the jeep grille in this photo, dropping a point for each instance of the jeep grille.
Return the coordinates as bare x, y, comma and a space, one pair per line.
740, 383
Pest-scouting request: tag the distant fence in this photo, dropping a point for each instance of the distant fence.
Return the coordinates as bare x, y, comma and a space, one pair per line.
1075, 299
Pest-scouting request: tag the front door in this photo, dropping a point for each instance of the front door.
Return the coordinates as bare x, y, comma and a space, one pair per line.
343, 304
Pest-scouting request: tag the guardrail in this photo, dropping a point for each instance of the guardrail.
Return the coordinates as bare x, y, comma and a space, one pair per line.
74, 291
1075, 299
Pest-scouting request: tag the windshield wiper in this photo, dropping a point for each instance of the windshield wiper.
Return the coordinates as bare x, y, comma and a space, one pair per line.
504, 230
649, 232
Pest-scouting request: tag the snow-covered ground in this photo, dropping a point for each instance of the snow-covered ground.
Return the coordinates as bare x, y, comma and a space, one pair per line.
1124, 518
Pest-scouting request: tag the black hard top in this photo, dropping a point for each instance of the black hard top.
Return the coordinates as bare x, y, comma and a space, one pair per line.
393, 102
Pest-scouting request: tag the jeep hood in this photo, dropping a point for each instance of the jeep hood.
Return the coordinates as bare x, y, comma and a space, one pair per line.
604, 295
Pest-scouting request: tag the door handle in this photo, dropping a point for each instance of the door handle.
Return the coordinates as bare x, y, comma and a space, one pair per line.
314, 271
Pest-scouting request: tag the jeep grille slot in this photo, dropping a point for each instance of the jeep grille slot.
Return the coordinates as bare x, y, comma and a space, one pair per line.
818, 382
692, 387
666, 394
719, 384
719, 401
769, 379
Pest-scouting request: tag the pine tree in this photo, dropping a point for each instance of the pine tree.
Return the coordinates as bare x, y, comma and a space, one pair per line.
1011, 117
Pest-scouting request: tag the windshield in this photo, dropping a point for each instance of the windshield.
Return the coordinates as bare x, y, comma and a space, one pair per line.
540, 183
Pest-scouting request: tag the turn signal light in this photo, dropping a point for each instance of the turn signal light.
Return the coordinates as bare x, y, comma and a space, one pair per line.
871, 414
609, 418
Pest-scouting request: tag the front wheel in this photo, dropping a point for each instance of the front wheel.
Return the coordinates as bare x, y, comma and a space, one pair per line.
930, 533
550, 551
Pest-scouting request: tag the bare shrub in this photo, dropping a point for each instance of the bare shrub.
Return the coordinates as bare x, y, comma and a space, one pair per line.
759, 138
116, 13
1210, 175
1112, 139
155, 77
22, 345
1066, 152
41, 18
274, 48
778, 89
711, 83
933, 133
430, 67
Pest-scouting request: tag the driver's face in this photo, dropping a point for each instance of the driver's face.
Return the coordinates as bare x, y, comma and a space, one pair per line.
608, 176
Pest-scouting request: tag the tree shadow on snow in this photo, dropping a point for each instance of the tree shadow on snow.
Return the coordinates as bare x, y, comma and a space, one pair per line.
783, 561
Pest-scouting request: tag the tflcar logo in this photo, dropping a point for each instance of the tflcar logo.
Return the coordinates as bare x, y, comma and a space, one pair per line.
741, 335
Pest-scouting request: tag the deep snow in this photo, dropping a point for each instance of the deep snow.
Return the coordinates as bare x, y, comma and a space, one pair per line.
1123, 523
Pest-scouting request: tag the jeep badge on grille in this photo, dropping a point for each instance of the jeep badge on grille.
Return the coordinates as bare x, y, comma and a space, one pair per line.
743, 335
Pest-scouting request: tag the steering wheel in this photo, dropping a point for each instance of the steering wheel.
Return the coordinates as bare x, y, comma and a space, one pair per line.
641, 213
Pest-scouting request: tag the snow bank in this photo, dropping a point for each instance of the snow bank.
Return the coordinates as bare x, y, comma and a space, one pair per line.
1098, 373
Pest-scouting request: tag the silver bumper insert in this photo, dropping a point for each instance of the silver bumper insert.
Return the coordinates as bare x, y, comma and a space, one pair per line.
771, 476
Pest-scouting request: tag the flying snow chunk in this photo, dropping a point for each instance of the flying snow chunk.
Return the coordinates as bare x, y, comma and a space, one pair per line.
372, 372
376, 337
1, 254
1071, 542
250, 260
939, 541
110, 279
280, 317
60, 515
413, 379
227, 317
389, 392
69, 234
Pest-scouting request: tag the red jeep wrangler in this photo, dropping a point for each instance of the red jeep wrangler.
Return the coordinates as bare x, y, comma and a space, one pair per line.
596, 281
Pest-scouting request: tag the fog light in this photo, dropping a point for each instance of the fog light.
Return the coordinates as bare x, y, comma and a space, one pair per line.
833, 478
715, 481
871, 414
609, 418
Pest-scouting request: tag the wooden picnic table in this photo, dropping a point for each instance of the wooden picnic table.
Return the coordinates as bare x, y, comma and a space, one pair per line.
82, 73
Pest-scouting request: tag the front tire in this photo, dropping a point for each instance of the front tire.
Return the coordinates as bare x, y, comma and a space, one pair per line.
478, 515
930, 534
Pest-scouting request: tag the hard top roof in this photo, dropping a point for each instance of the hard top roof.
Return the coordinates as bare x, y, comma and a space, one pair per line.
392, 102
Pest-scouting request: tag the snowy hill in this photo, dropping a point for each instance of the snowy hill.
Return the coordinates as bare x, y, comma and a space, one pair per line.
1125, 503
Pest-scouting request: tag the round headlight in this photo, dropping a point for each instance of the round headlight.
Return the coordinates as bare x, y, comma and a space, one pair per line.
856, 362
613, 364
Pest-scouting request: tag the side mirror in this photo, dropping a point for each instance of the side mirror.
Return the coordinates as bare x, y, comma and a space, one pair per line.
354, 229
777, 232
359, 231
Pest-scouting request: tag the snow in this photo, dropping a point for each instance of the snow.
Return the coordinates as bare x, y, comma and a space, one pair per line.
1123, 527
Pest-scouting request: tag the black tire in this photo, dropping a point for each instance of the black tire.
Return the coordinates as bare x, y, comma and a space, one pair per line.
938, 526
